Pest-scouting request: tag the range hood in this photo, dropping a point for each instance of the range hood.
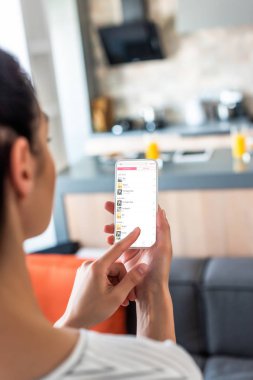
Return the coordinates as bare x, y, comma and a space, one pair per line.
137, 39
134, 10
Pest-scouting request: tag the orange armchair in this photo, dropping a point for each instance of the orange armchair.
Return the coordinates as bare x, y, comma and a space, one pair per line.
52, 277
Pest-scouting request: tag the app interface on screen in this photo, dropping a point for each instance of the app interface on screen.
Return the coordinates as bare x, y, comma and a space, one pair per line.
135, 200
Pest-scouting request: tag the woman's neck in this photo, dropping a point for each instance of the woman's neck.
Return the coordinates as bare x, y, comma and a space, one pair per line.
16, 294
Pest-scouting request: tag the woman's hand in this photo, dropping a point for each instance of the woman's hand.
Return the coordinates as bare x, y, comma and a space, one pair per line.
154, 305
158, 257
102, 286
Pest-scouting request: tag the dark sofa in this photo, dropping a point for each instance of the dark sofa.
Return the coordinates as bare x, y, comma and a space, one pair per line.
213, 307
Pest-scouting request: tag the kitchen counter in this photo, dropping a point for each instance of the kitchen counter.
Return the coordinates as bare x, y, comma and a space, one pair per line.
90, 176
212, 135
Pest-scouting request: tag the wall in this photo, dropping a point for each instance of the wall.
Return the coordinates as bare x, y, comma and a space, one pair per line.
13, 39
12, 31
70, 76
204, 60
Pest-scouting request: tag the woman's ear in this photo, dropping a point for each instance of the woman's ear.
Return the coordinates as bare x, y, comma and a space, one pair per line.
22, 167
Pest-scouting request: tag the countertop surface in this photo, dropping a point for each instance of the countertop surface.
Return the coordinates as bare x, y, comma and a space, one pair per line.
212, 135
209, 128
220, 172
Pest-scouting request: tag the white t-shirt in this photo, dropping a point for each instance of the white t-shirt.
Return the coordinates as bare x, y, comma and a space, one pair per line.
110, 357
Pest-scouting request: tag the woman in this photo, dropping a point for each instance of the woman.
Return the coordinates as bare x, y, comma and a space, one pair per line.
30, 347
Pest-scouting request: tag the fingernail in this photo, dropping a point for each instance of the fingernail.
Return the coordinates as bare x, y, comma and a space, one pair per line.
142, 269
136, 229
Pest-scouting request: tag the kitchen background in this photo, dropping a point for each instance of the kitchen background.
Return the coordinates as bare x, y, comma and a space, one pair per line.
206, 78
203, 61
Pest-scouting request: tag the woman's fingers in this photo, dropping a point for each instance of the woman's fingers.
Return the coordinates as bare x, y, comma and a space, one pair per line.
159, 217
132, 295
125, 303
162, 222
130, 281
116, 274
163, 234
118, 249
109, 228
109, 206
117, 270
130, 254
110, 239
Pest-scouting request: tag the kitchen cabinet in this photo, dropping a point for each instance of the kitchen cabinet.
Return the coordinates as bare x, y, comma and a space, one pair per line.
212, 223
209, 205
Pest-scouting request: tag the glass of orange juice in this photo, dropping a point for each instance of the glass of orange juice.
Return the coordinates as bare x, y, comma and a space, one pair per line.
239, 141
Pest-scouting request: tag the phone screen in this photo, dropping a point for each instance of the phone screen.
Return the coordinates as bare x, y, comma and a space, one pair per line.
136, 200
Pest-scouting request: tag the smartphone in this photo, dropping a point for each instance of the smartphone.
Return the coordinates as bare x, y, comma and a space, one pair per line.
136, 200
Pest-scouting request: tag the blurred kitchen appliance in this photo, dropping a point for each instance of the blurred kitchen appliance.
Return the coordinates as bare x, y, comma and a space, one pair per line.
152, 119
122, 125
228, 105
231, 105
131, 42
194, 113
149, 120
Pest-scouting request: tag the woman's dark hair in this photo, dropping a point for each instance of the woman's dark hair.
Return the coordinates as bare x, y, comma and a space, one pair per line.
19, 113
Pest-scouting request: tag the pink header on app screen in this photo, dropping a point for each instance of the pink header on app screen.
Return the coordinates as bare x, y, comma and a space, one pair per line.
136, 191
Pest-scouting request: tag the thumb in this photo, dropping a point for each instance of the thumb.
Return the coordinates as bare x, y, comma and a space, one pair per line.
131, 279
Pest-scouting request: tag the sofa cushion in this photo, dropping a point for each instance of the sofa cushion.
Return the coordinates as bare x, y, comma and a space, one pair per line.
227, 368
52, 278
200, 361
228, 298
185, 279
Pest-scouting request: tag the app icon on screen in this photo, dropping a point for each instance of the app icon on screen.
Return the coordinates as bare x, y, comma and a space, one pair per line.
118, 234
